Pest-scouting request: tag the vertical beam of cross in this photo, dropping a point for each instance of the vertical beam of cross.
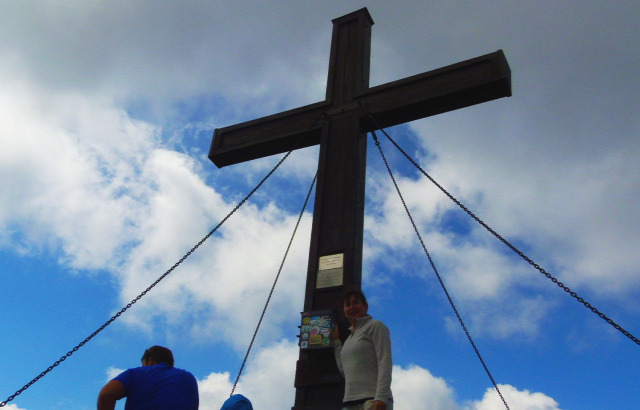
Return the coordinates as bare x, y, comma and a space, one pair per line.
338, 216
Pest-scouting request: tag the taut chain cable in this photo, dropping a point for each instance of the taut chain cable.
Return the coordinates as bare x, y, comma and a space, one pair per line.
509, 245
124, 309
435, 270
264, 310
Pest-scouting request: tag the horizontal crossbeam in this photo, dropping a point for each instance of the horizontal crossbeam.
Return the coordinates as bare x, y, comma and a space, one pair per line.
460, 85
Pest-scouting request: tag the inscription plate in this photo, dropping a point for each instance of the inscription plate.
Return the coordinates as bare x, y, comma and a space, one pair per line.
330, 271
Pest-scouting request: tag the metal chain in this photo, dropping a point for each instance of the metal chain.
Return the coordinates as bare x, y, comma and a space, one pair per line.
512, 247
322, 117
444, 288
264, 310
114, 317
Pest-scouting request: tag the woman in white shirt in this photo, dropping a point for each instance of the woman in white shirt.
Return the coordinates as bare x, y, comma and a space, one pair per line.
365, 358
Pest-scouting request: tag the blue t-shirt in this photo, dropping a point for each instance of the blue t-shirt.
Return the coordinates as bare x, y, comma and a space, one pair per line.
159, 387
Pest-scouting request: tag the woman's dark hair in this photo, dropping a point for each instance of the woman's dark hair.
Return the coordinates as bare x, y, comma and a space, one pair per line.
159, 354
353, 292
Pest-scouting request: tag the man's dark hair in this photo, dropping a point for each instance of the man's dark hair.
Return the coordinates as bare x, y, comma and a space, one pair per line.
159, 354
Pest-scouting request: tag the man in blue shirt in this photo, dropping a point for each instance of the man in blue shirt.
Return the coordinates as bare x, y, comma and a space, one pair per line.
156, 385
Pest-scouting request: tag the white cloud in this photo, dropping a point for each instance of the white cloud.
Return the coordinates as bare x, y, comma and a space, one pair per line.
416, 388
214, 390
113, 372
484, 281
267, 380
223, 287
140, 51
516, 399
268, 383
83, 178
69, 164
270, 376
13, 407
571, 208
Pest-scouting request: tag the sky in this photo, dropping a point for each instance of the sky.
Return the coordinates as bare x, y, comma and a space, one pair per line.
107, 111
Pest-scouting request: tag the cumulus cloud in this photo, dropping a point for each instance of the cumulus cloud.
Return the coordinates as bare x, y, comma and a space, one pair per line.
267, 381
576, 231
69, 164
550, 201
224, 286
113, 372
142, 52
88, 182
416, 388
13, 407
214, 390
483, 280
516, 399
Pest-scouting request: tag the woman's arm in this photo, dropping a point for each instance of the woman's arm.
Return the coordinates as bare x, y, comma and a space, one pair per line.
382, 344
337, 348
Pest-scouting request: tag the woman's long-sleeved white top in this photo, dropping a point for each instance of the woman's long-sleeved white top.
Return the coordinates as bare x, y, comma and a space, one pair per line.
365, 361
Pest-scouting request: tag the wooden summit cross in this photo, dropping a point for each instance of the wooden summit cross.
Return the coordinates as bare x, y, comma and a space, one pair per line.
340, 124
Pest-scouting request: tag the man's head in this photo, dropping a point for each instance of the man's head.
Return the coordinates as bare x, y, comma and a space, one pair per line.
156, 355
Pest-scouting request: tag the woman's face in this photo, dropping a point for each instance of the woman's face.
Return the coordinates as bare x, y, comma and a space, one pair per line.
354, 308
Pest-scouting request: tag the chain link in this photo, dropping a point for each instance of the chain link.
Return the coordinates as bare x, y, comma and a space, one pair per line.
137, 298
444, 288
511, 246
264, 310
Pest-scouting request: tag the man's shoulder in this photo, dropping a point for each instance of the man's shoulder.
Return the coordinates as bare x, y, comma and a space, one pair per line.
183, 372
160, 368
128, 373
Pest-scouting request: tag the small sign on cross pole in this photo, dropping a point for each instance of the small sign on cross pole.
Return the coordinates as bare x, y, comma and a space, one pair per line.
339, 125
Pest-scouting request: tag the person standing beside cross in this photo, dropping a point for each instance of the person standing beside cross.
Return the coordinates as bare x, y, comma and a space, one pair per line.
365, 358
